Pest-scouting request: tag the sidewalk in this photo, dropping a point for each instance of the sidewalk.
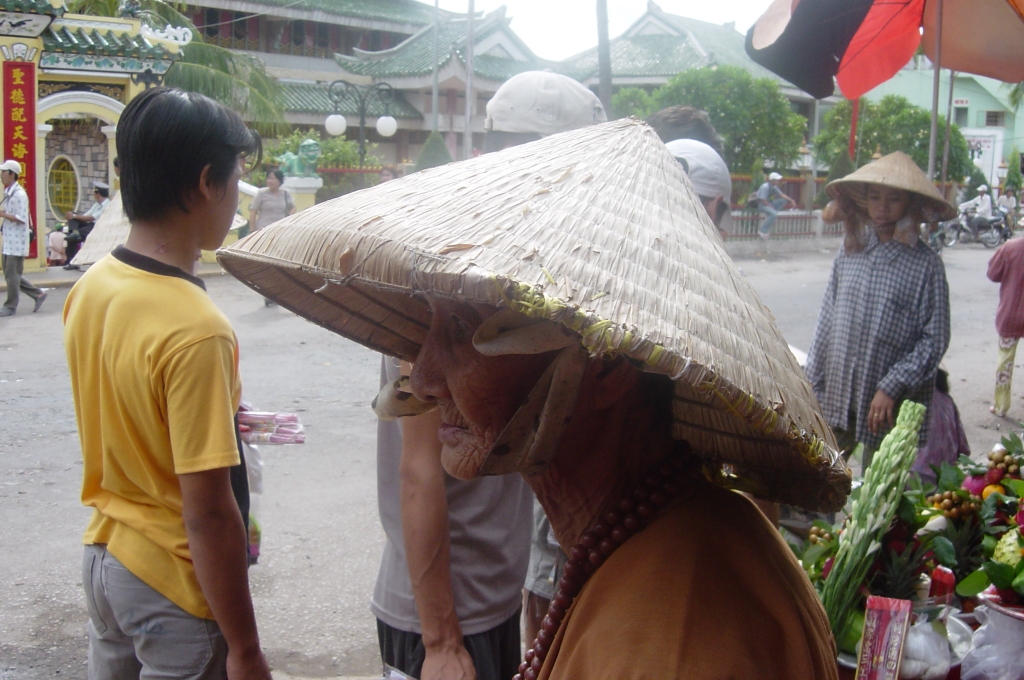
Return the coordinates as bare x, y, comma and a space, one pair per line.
58, 277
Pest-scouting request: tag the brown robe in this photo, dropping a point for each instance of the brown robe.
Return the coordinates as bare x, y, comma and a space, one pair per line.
709, 590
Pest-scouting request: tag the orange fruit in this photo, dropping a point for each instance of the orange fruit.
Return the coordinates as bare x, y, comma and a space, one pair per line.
991, 489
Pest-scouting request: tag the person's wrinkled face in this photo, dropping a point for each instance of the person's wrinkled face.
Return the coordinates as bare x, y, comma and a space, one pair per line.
887, 205
477, 395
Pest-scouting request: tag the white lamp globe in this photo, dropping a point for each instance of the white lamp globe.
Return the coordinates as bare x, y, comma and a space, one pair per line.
335, 124
387, 126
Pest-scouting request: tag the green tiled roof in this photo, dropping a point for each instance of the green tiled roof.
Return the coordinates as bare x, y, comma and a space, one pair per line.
313, 98
723, 44
638, 57
663, 55
31, 7
397, 11
415, 55
60, 38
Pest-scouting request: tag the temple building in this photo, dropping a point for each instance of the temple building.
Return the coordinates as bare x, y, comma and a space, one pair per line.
65, 80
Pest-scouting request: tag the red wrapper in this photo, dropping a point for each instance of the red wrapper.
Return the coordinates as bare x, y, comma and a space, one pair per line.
886, 622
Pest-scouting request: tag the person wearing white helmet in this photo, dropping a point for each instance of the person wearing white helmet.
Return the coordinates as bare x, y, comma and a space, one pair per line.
770, 200
710, 178
982, 205
16, 236
448, 593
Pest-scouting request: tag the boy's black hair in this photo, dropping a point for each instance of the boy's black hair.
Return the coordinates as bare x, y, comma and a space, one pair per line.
166, 137
117, 163
686, 122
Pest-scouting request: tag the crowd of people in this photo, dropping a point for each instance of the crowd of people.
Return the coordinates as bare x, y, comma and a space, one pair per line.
528, 476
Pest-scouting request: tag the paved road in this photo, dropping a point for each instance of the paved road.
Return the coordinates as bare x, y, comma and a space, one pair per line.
322, 537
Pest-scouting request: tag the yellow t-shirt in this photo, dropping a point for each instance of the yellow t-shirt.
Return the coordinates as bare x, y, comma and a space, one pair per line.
154, 374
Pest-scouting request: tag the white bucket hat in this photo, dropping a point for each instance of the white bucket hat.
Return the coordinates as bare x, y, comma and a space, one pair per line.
774, 176
707, 172
596, 231
544, 103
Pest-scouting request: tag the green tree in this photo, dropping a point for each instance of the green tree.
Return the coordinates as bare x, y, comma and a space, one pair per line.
236, 80
1014, 180
434, 153
975, 178
1016, 95
841, 166
751, 114
631, 101
892, 124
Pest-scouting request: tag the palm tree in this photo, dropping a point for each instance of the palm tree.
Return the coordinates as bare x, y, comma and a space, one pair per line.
1016, 96
233, 79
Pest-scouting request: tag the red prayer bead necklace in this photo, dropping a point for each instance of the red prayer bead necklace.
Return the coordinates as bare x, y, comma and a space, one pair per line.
629, 516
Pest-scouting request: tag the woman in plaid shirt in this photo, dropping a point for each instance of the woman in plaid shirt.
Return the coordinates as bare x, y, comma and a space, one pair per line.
884, 322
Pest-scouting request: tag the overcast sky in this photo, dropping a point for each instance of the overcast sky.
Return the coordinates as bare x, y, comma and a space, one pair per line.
556, 29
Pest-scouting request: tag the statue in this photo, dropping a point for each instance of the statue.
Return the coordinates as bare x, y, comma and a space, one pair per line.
129, 9
304, 164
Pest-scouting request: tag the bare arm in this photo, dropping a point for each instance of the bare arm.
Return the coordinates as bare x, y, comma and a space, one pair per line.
428, 549
217, 541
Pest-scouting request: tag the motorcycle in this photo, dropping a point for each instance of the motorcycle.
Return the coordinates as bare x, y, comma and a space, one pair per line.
992, 231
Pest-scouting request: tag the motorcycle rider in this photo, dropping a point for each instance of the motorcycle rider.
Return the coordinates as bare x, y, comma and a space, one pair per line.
982, 205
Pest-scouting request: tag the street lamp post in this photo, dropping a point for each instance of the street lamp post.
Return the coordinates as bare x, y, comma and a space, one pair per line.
336, 124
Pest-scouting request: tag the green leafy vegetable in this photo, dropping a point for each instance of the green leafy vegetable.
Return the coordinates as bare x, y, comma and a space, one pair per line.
973, 584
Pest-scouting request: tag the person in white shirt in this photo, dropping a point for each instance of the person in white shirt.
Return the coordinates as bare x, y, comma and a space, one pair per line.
16, 240
81, 224
1008, 201
982, 204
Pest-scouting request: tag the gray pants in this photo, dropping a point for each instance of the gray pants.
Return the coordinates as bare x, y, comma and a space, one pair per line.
136, 633
13, 266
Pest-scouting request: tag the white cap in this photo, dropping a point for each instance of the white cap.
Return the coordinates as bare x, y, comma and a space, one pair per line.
101, 185
11, 166
705, 168
774, 176
982, 189
544, 103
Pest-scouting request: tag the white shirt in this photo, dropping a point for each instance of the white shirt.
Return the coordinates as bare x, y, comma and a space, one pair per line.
15, 232
97, 209
982, 204
1008, 202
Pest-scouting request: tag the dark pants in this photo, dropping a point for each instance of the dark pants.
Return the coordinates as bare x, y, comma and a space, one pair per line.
495, 653
16, 283
78, 231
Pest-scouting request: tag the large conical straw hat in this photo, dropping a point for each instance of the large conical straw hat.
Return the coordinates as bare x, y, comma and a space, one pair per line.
896, 170
596, 229
111, 230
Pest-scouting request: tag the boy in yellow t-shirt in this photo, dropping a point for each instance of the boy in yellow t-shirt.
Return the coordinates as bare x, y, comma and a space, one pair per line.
154, 373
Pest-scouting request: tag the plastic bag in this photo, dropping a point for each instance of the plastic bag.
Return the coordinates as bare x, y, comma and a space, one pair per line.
254, 468
925, 652
998, 649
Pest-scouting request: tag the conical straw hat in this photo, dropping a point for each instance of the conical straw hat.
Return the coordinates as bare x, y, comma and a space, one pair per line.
896, 170
597, 229
111, 230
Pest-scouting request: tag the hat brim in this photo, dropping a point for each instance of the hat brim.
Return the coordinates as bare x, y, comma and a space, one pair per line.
896, 171
556, 229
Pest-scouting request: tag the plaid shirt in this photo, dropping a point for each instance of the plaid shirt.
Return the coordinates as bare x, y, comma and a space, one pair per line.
884, 325
16, 241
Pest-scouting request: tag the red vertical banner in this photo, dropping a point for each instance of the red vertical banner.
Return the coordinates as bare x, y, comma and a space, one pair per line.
19, 130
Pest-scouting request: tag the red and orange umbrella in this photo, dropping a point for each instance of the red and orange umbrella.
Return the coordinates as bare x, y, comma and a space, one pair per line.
863, 43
